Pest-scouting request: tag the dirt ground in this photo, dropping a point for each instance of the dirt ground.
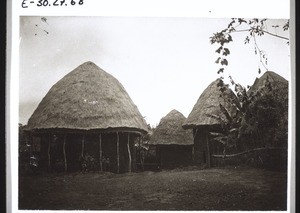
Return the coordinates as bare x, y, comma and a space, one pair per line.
180, 189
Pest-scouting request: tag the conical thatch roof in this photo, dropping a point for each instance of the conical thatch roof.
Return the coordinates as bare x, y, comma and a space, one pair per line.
270, 76
169, 131
207, 111
87, 98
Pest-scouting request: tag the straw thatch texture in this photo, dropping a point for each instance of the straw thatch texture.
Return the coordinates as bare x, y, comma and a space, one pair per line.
87, 98
207, 110
170, 131
275, 80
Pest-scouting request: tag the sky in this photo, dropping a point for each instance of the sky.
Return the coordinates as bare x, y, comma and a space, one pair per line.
163, 63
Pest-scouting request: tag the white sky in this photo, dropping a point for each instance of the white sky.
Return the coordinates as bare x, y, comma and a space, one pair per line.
163, 63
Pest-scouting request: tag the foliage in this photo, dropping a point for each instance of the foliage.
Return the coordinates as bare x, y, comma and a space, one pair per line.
253, 28
265, 122
261, 120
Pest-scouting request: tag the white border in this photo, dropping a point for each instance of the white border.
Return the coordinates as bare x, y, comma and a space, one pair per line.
291, 191
279, 9
154, 8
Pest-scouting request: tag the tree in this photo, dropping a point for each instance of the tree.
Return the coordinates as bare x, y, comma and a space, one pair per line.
253, 28
257, 134
262, 117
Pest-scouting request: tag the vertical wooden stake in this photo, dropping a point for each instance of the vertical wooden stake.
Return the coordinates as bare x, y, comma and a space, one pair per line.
195, 130
129, 154
195, 133
118, 154
208, 153
64, 150
28, 143
49, 146
196, 147
158, 157
140, 156
82, 146
193, 153
100, 145
140, 153
31, 144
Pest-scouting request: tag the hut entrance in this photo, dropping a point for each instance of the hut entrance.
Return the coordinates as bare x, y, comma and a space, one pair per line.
172, 156
55, 153
73, 152
202, 147
118, 152
109, 152
204, 157
126, 152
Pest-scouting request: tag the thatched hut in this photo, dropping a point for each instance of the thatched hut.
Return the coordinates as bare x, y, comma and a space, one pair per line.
173, 144
270, 77
86, 116
206, 117
270, 93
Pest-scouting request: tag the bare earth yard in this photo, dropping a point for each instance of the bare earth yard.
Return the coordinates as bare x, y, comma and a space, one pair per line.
181, 189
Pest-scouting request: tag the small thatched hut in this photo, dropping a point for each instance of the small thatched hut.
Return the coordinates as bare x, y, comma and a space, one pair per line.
206, 117
174, 145
86, 118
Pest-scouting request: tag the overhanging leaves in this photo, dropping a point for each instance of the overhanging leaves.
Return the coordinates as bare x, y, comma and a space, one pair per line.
224, 62
226, 51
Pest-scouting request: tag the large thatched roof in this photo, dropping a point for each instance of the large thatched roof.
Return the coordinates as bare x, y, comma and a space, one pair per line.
169, 131
275, 79
87, 98
207, 111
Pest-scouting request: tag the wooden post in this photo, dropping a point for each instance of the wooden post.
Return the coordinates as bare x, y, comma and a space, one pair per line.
129, 154
31, 144
82, 146
28, 143
195, 133
140, 154
161, 160
193, 153
100, 145
64, 150
195, 130
118, 154
49, 146
208, 153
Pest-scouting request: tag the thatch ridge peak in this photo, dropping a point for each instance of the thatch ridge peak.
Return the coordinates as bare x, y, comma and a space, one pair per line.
271, 76
206, 111
87, 98
169, 131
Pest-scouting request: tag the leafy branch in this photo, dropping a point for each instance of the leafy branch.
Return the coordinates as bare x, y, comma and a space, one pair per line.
253, 28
